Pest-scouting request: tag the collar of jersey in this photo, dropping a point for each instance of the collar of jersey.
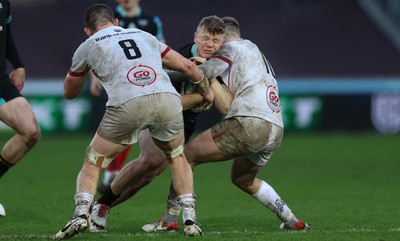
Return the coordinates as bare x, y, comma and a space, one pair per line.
193, 50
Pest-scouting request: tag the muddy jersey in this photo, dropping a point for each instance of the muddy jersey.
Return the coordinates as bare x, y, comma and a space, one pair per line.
127, 62
250, 77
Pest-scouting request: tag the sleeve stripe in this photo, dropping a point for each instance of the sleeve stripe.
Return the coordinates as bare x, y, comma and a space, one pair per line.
8, 20
76, 74
165, 52
228, 61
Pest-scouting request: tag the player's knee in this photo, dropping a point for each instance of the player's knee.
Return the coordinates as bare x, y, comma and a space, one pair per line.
153, 165
32, 135
241, 182
96, 158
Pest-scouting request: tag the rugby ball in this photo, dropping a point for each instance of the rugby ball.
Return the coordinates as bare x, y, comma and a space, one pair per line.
198, 108
188, 88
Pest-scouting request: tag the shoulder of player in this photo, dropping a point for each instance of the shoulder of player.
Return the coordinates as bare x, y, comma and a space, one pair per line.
5, 11
186, 50
145, 14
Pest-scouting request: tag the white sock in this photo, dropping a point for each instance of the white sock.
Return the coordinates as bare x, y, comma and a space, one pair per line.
83, 201
173, 209
269, 198
187, 202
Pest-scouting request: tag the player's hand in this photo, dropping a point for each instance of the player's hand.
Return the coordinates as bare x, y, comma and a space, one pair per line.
198, 60
17, 77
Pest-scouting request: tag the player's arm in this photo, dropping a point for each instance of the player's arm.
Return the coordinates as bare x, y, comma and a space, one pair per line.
215, 66
17, 76
223, 96
160, 33
173, 60
75, 78
73, 84
190, 100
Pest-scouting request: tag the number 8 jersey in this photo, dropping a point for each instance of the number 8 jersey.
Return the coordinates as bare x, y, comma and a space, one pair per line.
128, 63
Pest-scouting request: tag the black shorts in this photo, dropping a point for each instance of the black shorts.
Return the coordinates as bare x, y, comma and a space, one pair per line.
8, 91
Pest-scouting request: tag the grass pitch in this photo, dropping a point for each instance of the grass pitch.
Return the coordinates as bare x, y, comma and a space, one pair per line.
345, 185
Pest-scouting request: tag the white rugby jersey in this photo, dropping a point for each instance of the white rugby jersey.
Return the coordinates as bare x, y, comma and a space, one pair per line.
250, 77
128, 63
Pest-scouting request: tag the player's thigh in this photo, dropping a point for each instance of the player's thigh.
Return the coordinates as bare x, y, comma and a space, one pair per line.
167, 127
18, 114
146, 144
105, 147
150, 153
240, 136
202, 149
123, 123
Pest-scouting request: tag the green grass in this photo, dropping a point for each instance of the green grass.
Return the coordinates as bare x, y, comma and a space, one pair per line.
345, 185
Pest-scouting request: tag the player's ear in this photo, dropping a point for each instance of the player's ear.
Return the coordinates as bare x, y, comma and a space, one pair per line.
194, 36
88, 32
116, 22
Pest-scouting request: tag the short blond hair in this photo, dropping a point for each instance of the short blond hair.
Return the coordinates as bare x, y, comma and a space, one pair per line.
212, 24
232, 26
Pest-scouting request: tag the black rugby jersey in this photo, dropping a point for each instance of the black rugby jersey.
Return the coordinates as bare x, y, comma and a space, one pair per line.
8, 49
143, 21
189, 117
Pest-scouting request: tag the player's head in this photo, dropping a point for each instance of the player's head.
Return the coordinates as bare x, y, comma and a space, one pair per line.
209, 36
232, 28
97, 16
128, 4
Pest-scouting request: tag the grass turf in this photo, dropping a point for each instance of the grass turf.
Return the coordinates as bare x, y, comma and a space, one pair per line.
345, 185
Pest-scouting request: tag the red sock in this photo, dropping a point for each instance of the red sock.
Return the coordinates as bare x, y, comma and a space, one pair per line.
118, 162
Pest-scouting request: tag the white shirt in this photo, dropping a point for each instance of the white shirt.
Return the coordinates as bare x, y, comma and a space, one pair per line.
250, 77
128, 63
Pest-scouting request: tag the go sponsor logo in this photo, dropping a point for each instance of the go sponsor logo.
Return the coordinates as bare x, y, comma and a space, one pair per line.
141, 75
273, 100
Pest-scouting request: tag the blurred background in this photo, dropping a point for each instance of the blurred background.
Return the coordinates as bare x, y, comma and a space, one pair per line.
337, 62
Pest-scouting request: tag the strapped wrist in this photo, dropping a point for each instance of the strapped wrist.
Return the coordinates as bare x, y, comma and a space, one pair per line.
203, 83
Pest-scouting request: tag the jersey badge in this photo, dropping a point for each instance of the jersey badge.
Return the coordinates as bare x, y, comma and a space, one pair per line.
273, 100
141, 75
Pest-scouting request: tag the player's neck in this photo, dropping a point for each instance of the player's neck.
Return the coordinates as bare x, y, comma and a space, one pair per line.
233, 38
104, 26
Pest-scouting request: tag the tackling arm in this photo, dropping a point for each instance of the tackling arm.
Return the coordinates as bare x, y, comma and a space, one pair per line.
73, 84
214, 67
17, 76
11, 50
223, 96
173, 60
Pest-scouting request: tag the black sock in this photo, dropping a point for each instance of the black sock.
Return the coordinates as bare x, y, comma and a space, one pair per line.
108, 197
4, 166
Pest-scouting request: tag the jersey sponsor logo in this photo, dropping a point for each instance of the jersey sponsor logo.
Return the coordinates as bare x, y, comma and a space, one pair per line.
273, 100
143, 22
131, 25
141, 75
